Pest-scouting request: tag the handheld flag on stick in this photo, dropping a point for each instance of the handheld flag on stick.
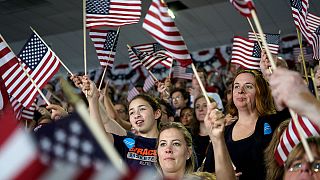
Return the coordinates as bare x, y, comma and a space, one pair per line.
112, 13
162, 28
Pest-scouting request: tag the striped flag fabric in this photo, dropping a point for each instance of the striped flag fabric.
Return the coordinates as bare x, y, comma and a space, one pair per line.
307, 52
112, 13
134, 60
246, 53
273, 40
313, 22
150, 60
182, 72
132, 93
23, 113
39, 62
243, 6
148, 84
290, 137
6, 110
105, 42
162, 28
300, 13
156, 50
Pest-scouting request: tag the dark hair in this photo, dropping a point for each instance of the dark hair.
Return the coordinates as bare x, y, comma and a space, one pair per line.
169, 109
151, 100
264, 100
187, 137
184, 93
196, 124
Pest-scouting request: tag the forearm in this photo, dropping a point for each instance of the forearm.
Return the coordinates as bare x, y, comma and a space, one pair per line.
110, 125
223, 164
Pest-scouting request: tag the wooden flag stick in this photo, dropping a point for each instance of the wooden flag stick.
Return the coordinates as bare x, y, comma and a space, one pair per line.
302, 137
106, 67
302, 56
26, 73
95, 129
33, 83
255, 34
53, 52
263, 39
84, 36
273, 66
314, 84
204, 92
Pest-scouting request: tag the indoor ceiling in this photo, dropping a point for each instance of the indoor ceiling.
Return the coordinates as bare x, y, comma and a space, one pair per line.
203, 24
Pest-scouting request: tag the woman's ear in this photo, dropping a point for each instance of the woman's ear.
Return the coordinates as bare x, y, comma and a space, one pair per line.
189, 153
157, 114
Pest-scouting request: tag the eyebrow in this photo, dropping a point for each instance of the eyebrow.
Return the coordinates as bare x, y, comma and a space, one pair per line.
244, 83
138, 107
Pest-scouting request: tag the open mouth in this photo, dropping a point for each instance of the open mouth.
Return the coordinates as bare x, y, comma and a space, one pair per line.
139, 122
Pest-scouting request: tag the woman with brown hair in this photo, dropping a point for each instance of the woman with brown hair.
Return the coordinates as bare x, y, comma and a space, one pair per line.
247, 137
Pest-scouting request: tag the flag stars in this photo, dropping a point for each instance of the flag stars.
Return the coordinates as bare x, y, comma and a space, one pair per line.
84, 160
74, 141
75, 128
87, 147
60, 136
58, 150
45, 144
72, 156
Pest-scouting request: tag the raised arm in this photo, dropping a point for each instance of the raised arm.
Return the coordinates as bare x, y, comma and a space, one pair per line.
215, 123
290, 90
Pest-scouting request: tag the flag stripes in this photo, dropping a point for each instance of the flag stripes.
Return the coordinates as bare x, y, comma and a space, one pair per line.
162, 28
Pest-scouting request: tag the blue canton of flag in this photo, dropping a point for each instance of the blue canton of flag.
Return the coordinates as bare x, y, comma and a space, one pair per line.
296, 4
98, 7
111, 37
317, 31
157, 47
33, 52
69, 140
273, 38
256, 50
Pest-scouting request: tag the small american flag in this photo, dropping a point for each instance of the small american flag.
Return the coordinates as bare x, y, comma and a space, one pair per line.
273, 40
182, 72
246, 53
300, 16
290, 137
148, 84
132, 93
162, 28
22, 113
243, 6
307, 52
105, 42
157, 51
150, 60
112, 12
40, 63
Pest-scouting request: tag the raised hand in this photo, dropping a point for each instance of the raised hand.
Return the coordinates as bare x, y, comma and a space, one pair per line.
214, 122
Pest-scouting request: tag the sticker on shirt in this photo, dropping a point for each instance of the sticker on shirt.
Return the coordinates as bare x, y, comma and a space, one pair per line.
129, 142
267, 129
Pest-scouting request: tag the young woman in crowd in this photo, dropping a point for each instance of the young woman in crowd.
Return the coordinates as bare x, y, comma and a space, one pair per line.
297, 165
199, 131
174, 147
250, 134
138, 150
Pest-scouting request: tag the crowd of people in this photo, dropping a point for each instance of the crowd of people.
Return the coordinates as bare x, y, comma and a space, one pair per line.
176, 131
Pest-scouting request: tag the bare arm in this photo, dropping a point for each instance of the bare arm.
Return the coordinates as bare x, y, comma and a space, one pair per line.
215, 124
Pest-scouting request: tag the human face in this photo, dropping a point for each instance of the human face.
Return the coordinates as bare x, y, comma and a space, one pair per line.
201, 109
186, 116
244, 91
195, 82
173, 151
121, 110
164, 114
178, 100
302, 169
142, 116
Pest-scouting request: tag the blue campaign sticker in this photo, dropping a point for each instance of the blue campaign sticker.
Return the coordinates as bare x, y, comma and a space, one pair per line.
129, 142
267, 129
